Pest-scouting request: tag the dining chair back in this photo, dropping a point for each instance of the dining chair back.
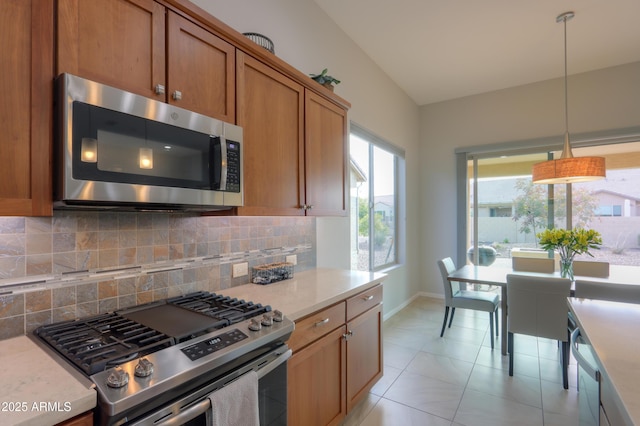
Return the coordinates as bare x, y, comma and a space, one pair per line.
457, 297
590, 269
537, 306
532, 264
614, 292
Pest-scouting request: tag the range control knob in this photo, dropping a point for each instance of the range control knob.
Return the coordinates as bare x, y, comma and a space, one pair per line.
278, 316
144, 368
267, 320
118, 378
254, 325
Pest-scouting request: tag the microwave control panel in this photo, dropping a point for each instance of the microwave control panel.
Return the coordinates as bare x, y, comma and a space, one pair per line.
233, 166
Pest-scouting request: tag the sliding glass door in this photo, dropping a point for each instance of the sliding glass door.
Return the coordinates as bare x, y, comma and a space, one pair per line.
506, 210
612, 205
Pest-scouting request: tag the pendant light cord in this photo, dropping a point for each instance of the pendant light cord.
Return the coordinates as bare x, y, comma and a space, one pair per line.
566, 90
566, 149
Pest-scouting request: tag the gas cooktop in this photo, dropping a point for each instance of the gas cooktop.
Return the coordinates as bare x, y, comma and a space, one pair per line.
97, 343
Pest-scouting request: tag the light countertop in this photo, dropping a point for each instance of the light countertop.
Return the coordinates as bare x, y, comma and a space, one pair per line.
612, 329
35, 389
307, 291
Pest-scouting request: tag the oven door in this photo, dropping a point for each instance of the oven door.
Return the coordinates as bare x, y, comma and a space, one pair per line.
195, 408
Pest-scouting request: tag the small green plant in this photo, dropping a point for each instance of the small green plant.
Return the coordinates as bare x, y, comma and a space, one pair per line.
324, 79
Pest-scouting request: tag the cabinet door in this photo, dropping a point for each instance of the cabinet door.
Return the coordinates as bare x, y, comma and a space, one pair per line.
85, 419
364, 354
201, 68
325, 157
315, 384
26, 43
270, 109
116, 42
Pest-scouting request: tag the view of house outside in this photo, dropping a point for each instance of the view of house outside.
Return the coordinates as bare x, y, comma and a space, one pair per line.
511, 210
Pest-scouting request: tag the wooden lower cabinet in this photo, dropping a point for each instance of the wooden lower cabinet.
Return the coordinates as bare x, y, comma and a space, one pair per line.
332, 370
316, 382
364, 354
85, 419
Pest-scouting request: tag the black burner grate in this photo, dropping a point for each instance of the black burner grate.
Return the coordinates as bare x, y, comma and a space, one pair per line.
223, 308
97, 343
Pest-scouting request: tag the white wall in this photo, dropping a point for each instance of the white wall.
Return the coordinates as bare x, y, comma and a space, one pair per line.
307, 39
598, 101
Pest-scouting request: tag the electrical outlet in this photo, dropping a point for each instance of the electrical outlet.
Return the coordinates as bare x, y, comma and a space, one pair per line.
293, 259
240, 270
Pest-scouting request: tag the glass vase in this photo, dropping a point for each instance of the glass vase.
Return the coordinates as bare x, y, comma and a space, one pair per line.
566, 268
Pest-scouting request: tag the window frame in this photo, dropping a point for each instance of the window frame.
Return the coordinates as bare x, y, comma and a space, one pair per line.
399, 186
528, 146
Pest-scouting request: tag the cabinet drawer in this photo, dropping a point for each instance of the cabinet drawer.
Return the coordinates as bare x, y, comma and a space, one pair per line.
317, 325
363, 301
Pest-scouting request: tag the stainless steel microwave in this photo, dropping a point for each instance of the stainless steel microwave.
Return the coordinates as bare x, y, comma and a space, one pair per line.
119, 150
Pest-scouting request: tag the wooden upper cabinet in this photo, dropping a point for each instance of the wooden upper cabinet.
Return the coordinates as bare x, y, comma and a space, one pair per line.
116, 42
295, 147
201, 68
325, 157
270, 109
26, 43
141, 47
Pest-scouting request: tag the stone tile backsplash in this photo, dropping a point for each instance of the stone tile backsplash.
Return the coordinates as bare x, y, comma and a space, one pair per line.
77, 264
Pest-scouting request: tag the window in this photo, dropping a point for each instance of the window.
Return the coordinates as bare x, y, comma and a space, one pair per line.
374, 171
609, 210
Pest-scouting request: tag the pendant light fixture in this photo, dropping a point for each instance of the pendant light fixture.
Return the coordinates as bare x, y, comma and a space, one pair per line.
567, 168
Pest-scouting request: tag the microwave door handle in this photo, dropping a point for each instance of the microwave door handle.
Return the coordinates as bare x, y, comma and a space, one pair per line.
218, 163
223, 163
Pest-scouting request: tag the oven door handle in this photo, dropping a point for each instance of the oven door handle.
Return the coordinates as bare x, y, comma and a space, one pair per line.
204, 405
188, 414
268, 368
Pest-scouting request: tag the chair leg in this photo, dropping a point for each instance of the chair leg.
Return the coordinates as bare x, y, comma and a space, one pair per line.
497, 325
453, 311
444, 323
565, 365
510, 350
491, 328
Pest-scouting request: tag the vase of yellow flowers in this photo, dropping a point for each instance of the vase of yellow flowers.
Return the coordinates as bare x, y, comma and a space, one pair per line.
568, 243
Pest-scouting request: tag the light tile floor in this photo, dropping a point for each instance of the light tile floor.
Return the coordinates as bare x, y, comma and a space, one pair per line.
458, 380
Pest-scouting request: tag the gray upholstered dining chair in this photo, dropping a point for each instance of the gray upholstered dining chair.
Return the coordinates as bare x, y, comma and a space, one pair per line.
533, 264
456, 297
590, 268
537, 306
614, 292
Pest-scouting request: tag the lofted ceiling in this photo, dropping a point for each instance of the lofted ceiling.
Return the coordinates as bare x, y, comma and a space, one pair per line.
437, 50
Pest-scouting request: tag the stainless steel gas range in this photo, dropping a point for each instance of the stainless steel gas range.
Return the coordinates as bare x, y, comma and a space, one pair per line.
158, 364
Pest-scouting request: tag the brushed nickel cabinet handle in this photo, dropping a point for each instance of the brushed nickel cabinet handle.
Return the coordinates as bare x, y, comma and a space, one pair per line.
177, 95
159, 89
323, 322
367, 298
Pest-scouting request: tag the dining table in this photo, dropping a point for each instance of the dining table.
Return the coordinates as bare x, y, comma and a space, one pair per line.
495, 275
